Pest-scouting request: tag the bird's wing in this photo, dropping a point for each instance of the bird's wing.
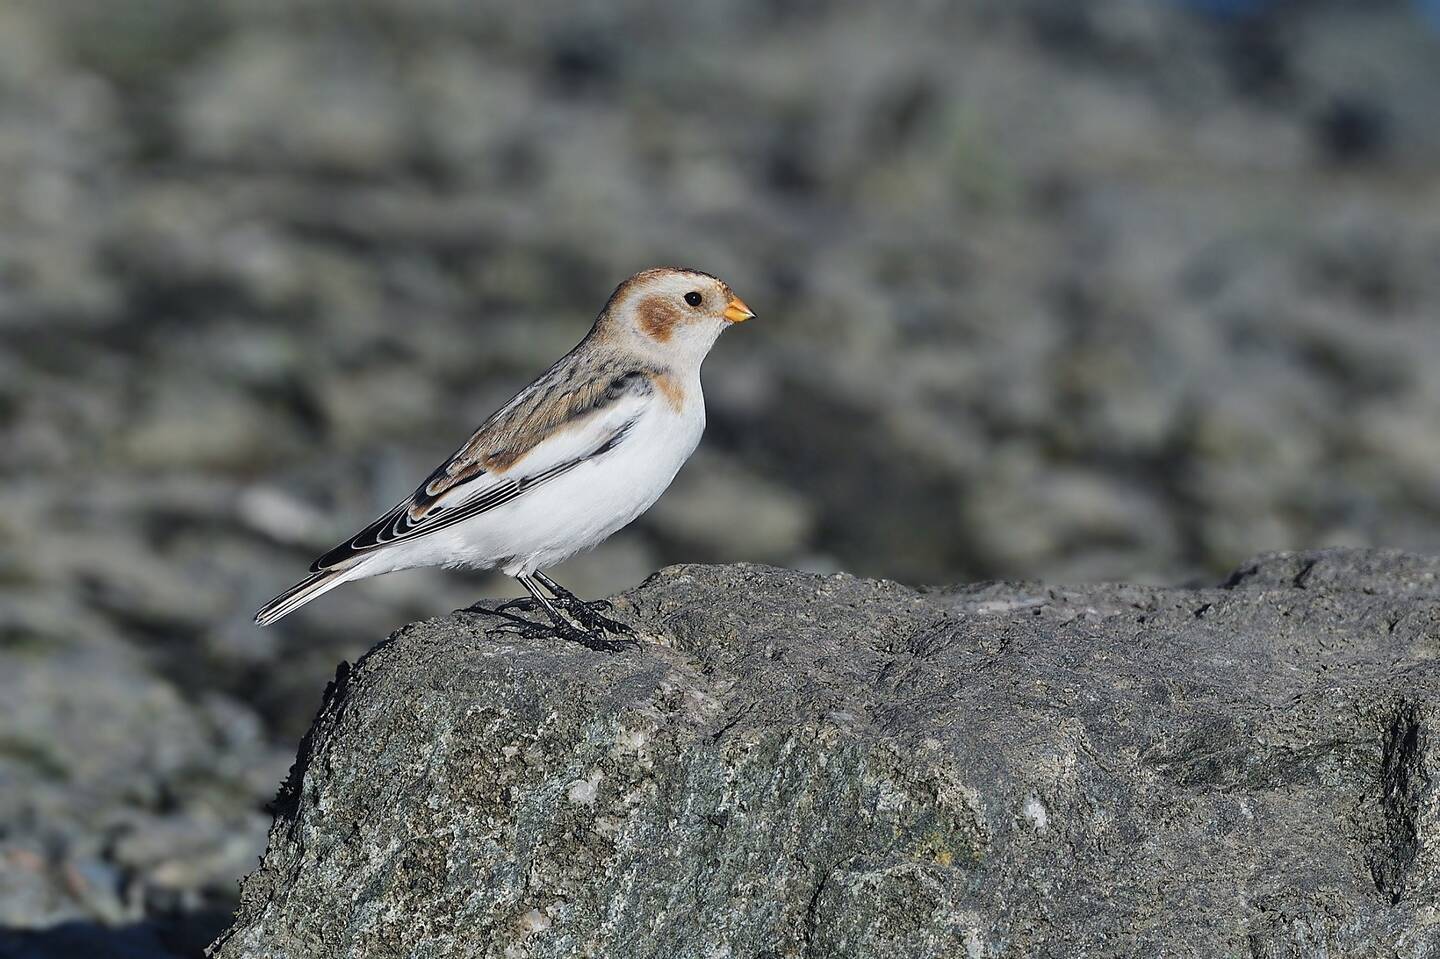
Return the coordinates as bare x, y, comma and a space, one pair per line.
569, 416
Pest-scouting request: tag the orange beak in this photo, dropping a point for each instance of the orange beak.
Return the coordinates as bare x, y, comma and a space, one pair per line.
736, 311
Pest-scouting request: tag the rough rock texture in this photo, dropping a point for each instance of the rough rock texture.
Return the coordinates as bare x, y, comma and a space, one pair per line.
797, 765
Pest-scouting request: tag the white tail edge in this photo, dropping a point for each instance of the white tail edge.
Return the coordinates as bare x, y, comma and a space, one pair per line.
300, 594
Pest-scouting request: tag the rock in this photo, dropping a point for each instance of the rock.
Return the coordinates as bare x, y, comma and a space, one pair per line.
824, 766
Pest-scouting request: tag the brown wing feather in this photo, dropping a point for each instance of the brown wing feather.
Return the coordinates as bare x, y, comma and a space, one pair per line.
577, 387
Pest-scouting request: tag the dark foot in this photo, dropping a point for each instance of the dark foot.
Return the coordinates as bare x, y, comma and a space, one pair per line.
512, 622
591, 637
589, 616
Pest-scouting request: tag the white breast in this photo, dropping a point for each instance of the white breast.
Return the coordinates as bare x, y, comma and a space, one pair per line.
572, 512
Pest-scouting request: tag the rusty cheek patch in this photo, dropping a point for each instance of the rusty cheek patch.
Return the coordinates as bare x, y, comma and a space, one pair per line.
658, 318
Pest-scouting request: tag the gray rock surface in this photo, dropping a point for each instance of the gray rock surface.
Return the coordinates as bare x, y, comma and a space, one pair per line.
800, 765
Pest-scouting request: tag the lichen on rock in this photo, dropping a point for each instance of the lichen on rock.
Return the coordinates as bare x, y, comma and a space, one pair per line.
824, 766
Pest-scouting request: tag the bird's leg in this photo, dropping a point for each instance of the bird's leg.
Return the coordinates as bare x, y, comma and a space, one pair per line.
584, 634
560, 592
525, 627
588, 614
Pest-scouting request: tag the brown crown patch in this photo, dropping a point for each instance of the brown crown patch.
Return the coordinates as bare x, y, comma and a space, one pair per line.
658, 317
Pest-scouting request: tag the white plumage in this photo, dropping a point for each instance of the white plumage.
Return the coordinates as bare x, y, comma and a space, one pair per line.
574, 511
571, 459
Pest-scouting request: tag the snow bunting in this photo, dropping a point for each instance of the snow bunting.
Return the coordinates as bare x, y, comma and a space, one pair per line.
572, 458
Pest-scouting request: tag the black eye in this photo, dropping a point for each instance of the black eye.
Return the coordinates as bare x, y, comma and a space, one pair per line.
693, 298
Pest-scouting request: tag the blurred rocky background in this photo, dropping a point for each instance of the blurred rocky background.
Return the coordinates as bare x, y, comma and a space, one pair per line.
1128, 289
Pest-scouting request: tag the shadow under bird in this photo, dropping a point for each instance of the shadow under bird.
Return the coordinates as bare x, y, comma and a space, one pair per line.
571, 459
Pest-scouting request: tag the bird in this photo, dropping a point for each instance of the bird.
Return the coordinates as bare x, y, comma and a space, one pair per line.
567, 462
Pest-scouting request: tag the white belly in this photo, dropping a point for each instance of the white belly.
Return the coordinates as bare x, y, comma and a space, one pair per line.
568, 514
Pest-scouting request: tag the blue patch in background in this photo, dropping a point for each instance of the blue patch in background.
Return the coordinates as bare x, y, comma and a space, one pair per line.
1429, 10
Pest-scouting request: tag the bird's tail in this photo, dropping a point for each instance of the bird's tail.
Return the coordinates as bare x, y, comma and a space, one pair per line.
300, 594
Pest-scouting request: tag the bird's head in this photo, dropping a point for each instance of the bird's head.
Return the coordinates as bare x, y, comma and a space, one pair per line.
672, 312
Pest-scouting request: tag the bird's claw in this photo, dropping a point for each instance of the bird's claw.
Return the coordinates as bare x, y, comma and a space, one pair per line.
593, 640
588, 637
512, 622
590, 632
588, 615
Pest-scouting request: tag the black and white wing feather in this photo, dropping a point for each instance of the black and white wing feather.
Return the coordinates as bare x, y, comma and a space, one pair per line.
546, 431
